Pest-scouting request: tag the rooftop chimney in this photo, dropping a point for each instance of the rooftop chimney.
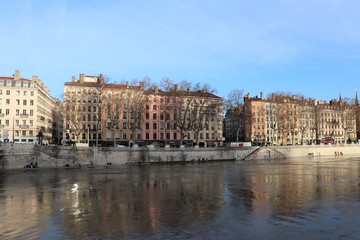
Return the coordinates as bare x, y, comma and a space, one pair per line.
82, 77
17, 75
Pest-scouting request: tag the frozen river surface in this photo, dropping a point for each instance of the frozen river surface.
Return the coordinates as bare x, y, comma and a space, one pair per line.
310, 198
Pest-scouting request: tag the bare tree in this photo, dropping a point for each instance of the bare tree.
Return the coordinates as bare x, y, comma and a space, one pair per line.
185, 85
98, 104
135, 114
183, 115
348, 122
166, 84
73, 115
234, 104
113, 108
235, 98
58, 114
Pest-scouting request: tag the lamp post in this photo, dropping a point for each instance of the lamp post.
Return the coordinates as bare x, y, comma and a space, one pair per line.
13, 130
88, 135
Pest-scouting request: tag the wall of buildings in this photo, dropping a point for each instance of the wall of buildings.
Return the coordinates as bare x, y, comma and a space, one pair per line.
125, 113
291, 120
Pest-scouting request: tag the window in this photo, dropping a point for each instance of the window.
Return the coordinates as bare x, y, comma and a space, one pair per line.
7, 101
154, 116
147, 125
31, 112
17, 102
7, 111
25, 93
18, 93
154, 126
124, 125
24, 102
17, 112
154, 136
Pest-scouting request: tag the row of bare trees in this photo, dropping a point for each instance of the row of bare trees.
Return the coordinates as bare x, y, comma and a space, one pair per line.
185, 107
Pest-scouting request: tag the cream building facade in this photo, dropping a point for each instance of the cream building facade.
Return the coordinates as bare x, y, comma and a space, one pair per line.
26, 110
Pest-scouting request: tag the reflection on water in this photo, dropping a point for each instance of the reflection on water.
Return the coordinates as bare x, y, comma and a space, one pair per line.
295, 199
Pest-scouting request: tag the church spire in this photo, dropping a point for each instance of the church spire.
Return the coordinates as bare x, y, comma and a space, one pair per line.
356, 98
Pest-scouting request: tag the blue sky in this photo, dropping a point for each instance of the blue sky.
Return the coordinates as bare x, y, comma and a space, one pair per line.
310, 47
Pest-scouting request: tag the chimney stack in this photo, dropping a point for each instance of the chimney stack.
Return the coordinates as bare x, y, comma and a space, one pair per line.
17, 75
82, 77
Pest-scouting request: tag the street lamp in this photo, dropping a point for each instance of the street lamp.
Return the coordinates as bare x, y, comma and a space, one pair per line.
88, 135
13, 130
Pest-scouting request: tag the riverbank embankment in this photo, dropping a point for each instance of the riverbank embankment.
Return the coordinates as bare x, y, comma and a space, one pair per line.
15, 156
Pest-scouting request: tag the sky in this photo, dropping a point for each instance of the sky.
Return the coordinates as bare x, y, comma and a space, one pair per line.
308, 47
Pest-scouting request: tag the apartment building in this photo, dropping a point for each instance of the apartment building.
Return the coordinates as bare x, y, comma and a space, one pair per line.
121, 113
26, 110
336, 121
291, 120
183, 115
255, 127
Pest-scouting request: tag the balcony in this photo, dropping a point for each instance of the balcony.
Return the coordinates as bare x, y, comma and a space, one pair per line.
2, 126
1, 114
24, 126
24, 115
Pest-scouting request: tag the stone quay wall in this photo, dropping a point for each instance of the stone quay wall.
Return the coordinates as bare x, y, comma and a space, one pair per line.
16, 156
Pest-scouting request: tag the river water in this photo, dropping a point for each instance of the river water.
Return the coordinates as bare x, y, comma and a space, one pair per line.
309, 198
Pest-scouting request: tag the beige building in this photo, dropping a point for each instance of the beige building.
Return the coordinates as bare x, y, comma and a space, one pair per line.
26, 110
292, 120
124, 114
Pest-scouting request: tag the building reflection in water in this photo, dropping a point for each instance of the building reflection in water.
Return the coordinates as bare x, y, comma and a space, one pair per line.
141, 201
